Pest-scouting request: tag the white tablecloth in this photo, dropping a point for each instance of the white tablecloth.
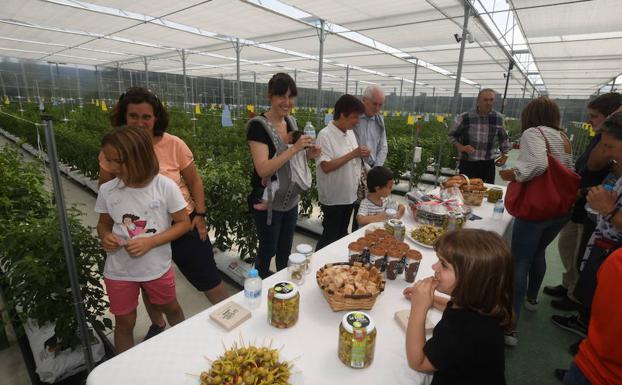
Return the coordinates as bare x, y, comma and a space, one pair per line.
174, 356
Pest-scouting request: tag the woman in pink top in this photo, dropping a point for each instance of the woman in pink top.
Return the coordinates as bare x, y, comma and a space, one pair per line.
192, 253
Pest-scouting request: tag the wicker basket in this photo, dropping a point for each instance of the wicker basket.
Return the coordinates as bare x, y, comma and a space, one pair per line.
340, 302
473, 198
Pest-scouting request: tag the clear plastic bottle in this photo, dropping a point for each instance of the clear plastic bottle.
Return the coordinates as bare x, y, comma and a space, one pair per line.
252, 289
497, 212
310, 130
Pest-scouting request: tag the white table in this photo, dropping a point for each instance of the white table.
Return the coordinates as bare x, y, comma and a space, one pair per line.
171, 357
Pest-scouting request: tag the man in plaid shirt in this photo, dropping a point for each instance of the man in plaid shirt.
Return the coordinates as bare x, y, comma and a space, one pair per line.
476, 135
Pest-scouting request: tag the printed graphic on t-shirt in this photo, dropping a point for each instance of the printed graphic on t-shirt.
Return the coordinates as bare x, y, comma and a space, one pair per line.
136, 227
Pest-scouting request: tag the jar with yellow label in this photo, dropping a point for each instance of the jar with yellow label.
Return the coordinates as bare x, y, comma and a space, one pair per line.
357, 340
283, 305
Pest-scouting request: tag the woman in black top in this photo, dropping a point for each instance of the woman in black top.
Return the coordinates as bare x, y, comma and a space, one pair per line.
467, 345
275, 235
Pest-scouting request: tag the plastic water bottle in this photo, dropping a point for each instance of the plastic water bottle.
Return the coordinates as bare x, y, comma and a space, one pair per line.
310, 130
497, 212
252, 289
589, 209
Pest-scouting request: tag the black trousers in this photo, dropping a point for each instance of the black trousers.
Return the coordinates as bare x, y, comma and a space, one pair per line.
483, 169
336, 222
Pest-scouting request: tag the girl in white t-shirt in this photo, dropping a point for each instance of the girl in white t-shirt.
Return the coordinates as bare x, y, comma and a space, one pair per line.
135, 214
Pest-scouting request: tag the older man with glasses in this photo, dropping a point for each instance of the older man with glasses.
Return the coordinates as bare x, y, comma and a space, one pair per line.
370, 133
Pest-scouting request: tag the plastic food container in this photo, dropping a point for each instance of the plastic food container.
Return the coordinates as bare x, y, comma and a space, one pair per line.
494, 194
296, 268
357, 340
283, 304
377, 252
307, 251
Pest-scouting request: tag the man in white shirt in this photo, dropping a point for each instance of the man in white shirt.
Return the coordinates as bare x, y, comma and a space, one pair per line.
370, 132
339, 169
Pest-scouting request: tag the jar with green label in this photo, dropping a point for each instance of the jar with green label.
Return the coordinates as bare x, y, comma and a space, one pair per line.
283, 304
357, 340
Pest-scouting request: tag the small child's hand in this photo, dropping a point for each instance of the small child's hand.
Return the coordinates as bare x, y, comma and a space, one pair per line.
408, 292
137, 247
111, 242
422, 295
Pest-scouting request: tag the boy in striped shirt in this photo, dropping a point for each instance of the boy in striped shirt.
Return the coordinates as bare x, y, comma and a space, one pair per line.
379, 184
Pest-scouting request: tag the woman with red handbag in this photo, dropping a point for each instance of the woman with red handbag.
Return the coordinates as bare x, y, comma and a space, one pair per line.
542, 182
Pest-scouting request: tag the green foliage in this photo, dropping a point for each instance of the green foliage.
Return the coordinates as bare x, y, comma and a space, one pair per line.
32, 256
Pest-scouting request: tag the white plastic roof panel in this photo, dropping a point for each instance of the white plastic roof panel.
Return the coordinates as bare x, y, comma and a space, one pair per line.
38, 35
424, 34
560, 19
236, 18
58, 16
608, 48
154, 8
113, 46
165, 36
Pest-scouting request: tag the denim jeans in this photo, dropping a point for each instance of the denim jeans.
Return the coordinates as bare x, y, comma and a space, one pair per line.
574, 376
529, 242
274, 239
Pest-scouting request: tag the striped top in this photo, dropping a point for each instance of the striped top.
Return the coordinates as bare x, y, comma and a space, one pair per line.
368, 207
532, 160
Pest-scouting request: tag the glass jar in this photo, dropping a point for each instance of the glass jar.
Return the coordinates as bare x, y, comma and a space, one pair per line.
377, 252
357, 340
391, 213
396, 228
307, 251
494, 194
413, 259
296, 268
355, 250
283, 304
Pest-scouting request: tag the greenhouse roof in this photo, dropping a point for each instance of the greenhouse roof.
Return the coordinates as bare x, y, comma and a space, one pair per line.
568, 48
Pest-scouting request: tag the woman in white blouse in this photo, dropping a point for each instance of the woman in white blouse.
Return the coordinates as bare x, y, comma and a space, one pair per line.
540, 118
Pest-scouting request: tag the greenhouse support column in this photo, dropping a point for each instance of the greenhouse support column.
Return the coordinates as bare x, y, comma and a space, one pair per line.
465, 25
19, 96
347, 77
533, 92
356, 88
119, 87
295, 75
415, 84
2, 84
25, 81
185, 77
67, 245
399, 103
53, 82
146, 71
507, 82
238, 100
322, 37
255, 88
222, 90
99, 91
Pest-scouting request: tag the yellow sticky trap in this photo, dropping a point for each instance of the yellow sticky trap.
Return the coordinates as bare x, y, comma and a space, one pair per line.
330, 110
6, 100
104, 107
418, 117
28, 100
97, 102
250, 107
293, 110
385, 113
92, 101
440, 118
197, 109
410, 120
591, 131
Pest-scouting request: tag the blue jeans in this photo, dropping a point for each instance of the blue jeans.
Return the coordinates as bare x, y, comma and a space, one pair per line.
574, 376
274, 239
529, 242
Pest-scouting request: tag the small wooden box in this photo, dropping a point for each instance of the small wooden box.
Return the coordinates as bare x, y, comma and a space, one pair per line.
230, 315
